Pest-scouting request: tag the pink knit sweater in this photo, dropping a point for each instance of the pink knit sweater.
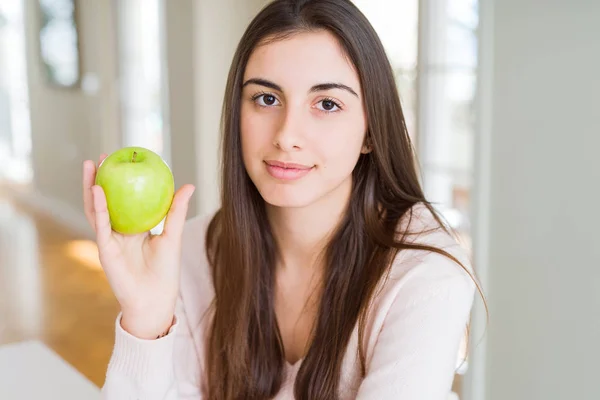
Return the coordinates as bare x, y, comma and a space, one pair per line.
413, 334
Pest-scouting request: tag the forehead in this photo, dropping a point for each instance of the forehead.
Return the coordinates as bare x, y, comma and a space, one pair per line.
302, 60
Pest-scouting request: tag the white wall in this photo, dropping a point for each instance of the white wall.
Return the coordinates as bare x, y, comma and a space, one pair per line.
179, 35
543, 274
68, 125
218, 29
201, 39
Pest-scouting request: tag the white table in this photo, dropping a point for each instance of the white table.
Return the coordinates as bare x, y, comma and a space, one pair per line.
30, 370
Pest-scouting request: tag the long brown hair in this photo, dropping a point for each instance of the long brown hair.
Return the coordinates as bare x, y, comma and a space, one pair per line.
245, 354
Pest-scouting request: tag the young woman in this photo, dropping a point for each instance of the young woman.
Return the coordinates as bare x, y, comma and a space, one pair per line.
325, 274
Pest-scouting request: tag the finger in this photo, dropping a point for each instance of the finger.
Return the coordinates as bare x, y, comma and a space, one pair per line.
102, 219
89, 173
177, 214
89, 177
102, 157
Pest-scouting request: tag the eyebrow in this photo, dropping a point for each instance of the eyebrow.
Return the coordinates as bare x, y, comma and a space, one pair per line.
316, 88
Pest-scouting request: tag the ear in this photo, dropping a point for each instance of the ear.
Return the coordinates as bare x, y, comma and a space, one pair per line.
367, 147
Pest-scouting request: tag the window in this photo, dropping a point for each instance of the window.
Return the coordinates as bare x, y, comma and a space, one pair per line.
15, 122
397, 24
447, 70
432, 45
141, 74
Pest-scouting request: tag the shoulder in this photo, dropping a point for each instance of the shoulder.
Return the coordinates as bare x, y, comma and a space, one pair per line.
419, 276
425, 295
419, 227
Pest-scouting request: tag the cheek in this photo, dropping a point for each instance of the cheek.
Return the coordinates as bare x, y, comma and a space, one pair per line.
340, 161
254, 132
340, 148
257, 130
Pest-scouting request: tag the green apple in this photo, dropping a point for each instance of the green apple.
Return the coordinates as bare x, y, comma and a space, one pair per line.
139, 189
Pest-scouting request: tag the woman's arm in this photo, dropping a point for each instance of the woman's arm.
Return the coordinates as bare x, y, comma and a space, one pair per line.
165, 368
416, 352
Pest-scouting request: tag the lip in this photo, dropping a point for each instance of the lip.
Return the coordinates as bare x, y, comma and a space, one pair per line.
287, 171
286, 165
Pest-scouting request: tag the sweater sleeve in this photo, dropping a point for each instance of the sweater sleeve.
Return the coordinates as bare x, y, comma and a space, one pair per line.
165, 368
415, 355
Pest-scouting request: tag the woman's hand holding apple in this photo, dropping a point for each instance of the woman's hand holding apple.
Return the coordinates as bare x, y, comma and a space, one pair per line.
142, 269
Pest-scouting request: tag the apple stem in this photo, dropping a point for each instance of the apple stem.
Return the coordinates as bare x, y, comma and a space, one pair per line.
134, 156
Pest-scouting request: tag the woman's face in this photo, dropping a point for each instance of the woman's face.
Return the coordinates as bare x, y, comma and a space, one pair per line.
302, 120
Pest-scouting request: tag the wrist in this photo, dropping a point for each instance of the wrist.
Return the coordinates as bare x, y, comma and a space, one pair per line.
147, 326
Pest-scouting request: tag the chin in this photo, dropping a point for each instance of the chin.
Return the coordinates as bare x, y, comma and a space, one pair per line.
286, 197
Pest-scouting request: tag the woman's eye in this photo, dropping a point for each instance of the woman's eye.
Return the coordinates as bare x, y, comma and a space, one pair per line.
266, 100
329, 105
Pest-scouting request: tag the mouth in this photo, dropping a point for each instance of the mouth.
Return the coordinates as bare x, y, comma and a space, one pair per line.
287, 171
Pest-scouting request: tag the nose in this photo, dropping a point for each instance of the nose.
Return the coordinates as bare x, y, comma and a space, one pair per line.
289, 136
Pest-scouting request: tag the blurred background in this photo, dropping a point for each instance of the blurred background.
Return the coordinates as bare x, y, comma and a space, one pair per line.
501, 99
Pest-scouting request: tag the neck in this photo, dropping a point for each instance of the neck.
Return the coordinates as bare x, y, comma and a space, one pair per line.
301, 233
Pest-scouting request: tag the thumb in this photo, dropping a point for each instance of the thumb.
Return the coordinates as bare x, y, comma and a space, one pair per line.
177, 214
